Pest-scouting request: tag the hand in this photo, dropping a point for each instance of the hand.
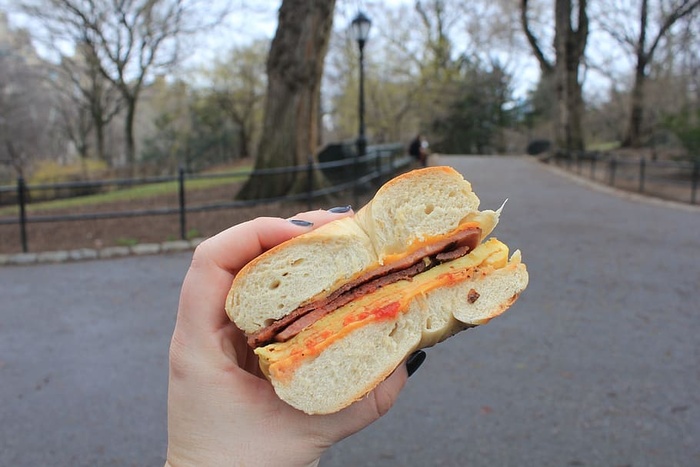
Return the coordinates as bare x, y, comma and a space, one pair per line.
221, 411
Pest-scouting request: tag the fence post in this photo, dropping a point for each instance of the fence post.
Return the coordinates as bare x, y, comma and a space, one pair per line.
356, 177
181, 197
642, 172
594, 157
579, 162
309, 180
21, 188
613, 166
696, 176
378, 164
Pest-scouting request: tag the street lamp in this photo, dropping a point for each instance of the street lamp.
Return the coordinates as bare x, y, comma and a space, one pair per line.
360, 28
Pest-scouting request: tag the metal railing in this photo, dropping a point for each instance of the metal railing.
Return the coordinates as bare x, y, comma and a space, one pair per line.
379, 164
671, 180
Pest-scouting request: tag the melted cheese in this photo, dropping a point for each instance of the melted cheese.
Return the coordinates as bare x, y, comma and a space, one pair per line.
419, 244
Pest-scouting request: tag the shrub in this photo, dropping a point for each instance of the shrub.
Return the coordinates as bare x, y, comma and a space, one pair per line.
51, 172
686, 126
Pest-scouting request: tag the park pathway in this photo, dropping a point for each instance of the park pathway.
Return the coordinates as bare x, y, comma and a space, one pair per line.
597, 364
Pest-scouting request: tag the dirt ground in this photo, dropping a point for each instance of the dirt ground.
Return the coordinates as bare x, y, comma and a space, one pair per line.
661, 180
67, 235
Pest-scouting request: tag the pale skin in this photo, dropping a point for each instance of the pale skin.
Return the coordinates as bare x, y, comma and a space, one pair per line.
221, 411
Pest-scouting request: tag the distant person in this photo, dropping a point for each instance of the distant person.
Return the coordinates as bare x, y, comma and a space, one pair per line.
418, 149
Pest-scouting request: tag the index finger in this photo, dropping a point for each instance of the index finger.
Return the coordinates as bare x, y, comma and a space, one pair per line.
217, 260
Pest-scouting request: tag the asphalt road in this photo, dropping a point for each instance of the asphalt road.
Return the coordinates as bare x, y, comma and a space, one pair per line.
597, 364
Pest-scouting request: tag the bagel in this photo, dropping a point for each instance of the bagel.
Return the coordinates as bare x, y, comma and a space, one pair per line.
331, 313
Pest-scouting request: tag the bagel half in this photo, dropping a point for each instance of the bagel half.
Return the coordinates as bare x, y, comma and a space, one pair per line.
333, 312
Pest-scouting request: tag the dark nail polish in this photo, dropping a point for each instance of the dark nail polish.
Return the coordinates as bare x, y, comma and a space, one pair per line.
340, 209
415, 360
301, 222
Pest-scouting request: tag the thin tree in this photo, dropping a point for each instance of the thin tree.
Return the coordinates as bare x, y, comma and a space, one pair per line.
644, 41
238, 88
90, 102
25, 123
131, 39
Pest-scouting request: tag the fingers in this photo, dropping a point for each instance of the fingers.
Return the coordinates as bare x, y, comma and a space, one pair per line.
320, 217
235, 247
377, 403
367, 410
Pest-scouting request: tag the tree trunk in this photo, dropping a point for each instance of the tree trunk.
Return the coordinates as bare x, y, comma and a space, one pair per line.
633, 138
634, 128
294, 70
569, 108
569, 45
129, 134
99, 125
243, 142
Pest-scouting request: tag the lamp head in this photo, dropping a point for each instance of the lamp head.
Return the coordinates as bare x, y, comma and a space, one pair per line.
360, 28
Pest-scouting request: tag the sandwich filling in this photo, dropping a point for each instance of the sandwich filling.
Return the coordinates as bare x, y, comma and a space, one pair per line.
281, 359
427, 256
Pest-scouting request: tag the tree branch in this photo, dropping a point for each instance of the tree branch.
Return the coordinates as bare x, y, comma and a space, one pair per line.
545, 65
683, 10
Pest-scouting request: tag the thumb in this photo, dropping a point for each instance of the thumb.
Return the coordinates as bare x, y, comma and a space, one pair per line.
369, 409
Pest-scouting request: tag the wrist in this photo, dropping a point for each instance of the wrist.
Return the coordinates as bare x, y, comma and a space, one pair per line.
168, 464
173, 462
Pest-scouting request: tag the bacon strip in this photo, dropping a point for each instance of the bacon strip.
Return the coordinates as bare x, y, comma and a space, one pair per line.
293, 323
308, 319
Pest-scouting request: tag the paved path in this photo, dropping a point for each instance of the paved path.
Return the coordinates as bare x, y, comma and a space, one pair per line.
598, 364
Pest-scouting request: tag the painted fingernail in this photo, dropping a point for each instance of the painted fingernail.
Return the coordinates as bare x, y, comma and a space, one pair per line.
301, 222
340, 209
415, 360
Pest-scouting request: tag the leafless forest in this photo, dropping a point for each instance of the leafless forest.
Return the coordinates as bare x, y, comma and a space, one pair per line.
90, 89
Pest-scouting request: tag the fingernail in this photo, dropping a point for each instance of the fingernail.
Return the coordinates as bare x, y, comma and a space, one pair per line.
340, 209
301, 222
415, 360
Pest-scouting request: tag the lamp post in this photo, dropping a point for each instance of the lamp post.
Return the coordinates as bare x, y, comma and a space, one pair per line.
360, 28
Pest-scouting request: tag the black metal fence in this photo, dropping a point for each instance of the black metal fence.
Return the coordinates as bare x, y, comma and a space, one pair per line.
671, 180
379, 164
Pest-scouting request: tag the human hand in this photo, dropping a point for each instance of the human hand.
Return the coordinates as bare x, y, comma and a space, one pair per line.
221, 410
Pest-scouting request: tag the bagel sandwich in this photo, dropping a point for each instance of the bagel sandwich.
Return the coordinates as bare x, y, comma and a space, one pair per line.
331, 313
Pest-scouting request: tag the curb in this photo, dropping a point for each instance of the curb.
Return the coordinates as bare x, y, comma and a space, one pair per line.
87, 254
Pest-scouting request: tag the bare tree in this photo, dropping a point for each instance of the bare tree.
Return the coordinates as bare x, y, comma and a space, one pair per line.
643, 41
562, 70
89, 102
25, 116
130, 39
294, 70
238, 88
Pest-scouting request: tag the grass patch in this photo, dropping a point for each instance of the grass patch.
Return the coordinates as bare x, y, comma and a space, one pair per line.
189, 235
127, 194
127, 241
603, 146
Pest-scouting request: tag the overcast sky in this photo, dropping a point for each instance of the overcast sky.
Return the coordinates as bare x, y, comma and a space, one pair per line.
252, 20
